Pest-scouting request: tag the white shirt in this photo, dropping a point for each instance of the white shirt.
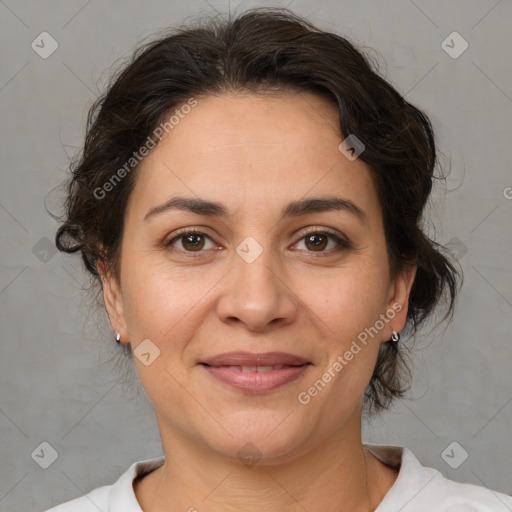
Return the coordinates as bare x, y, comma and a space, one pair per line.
416, 489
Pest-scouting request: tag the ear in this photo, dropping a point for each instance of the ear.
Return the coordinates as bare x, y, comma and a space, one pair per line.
399, 299
113, 301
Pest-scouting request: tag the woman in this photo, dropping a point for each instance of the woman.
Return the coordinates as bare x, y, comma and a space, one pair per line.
263, 319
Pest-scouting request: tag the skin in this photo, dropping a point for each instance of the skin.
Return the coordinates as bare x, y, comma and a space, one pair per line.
255, 154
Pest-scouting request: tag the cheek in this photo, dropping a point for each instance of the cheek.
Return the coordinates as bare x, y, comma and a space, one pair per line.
349, 308
351, 299
151, 300
161, 301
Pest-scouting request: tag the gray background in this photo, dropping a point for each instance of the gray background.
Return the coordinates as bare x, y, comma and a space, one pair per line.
60, 379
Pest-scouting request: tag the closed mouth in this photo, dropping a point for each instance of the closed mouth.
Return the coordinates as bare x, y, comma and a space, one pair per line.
250, 361
259, 368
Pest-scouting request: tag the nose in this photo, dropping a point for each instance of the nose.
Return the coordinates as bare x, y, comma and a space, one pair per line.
258, 293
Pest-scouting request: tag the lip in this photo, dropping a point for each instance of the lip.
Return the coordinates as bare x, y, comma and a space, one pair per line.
226, 368
255, 359
256, 382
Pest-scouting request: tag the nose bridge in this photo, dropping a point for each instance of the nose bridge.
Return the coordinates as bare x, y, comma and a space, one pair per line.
256, 266
256, 292
256, 263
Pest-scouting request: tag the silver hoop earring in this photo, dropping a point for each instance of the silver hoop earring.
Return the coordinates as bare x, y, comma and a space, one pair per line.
395, 337
118, 337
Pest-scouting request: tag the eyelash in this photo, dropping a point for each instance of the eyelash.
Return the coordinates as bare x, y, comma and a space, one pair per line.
342, 243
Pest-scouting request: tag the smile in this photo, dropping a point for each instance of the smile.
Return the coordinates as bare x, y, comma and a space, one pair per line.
256, 379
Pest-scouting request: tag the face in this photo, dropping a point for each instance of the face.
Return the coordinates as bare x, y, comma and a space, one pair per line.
263, 270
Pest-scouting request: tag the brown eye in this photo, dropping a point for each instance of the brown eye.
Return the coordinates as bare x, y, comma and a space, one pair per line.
191, 241
316, 241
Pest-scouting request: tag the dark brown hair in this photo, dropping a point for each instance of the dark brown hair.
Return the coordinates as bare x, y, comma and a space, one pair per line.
261, 50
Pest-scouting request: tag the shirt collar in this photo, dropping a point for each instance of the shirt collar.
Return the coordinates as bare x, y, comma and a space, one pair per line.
412, 478
122, 496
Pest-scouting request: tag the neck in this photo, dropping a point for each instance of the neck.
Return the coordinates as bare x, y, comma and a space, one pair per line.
338, 474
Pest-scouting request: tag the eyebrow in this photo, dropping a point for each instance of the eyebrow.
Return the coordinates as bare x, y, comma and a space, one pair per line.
293, 209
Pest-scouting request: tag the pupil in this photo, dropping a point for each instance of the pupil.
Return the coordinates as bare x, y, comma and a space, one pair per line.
318, 243
190, 240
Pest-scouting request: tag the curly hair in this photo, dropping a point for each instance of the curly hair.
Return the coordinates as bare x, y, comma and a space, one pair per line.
262, 50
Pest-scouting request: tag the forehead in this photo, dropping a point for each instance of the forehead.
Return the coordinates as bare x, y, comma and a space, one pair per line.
252, 151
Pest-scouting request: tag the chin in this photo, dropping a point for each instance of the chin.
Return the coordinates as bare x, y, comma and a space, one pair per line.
258, 437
